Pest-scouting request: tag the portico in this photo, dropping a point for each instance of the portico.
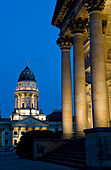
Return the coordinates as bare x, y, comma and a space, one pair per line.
83, 23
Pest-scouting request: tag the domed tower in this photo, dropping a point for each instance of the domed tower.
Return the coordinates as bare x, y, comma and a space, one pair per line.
26, 96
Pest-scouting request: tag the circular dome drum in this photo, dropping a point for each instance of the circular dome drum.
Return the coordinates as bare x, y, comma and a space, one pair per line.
26, 75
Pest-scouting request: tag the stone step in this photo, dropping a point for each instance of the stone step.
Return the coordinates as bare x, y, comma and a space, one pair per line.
76, 149
71, 152
70, 155
65, 163
80, 161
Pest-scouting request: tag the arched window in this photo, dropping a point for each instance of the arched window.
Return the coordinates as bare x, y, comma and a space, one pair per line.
32, 105
22, 105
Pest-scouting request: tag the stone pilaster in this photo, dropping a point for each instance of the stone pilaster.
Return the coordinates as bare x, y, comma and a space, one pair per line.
66, 88
99, 97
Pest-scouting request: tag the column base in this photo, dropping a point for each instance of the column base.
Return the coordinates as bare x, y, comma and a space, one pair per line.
67, 135
79, 134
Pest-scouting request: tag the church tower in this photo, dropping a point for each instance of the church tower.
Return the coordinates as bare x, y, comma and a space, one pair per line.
26, 97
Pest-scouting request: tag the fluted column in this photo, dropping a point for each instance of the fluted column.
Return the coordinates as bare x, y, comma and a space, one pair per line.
66, 88
99, 97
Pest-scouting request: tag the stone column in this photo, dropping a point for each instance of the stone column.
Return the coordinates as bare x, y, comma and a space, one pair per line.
79, 84
30, 100
37, 102
109, 97
19, 101
25, 100
66, 88
77, 28
99, 97
19, 132
15, 101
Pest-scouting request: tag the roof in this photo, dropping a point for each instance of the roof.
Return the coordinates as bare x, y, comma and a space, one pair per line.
30, 120
58, 7
55, 116
4, 119
26, 75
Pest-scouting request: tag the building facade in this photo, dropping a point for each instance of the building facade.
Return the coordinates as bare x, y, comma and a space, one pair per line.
26, 114
85, 25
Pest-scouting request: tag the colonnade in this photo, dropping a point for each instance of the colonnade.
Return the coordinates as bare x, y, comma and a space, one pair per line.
98, 80
21, 98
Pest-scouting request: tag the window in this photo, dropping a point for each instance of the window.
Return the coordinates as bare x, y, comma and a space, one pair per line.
15, 132
32, 105
15, 142
22, 132
6, 142
6, 133
22, 105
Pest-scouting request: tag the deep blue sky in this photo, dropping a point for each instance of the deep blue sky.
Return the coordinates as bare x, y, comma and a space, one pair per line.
26, 33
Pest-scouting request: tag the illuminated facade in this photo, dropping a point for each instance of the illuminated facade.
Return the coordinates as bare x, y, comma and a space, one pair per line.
86, 26
26, 114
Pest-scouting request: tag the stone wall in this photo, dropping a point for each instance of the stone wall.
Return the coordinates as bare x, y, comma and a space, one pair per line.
98, 148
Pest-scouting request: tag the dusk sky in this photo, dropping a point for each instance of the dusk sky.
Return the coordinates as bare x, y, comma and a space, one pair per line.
26, 33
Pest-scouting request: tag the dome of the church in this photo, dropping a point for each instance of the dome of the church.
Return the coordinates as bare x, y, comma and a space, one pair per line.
26, 75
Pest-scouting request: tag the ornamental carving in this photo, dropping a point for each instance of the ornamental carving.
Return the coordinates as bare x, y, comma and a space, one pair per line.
64, 43
93, 5
30, 121
78, 25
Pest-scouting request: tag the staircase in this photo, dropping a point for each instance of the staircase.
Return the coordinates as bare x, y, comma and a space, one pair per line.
71, 154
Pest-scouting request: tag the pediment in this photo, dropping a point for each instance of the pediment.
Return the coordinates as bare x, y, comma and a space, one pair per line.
29, 121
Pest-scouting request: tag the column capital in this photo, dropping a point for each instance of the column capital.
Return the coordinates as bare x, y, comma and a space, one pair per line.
93, 5
64, 44
78, 25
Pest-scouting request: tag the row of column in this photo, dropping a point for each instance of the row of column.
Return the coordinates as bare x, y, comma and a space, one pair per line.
99, 97
18, 102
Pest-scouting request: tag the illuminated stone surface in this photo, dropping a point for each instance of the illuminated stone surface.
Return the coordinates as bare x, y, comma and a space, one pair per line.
79, 83
66, 88
100, 111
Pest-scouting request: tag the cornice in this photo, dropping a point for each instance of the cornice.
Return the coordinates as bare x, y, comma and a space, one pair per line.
94, 5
